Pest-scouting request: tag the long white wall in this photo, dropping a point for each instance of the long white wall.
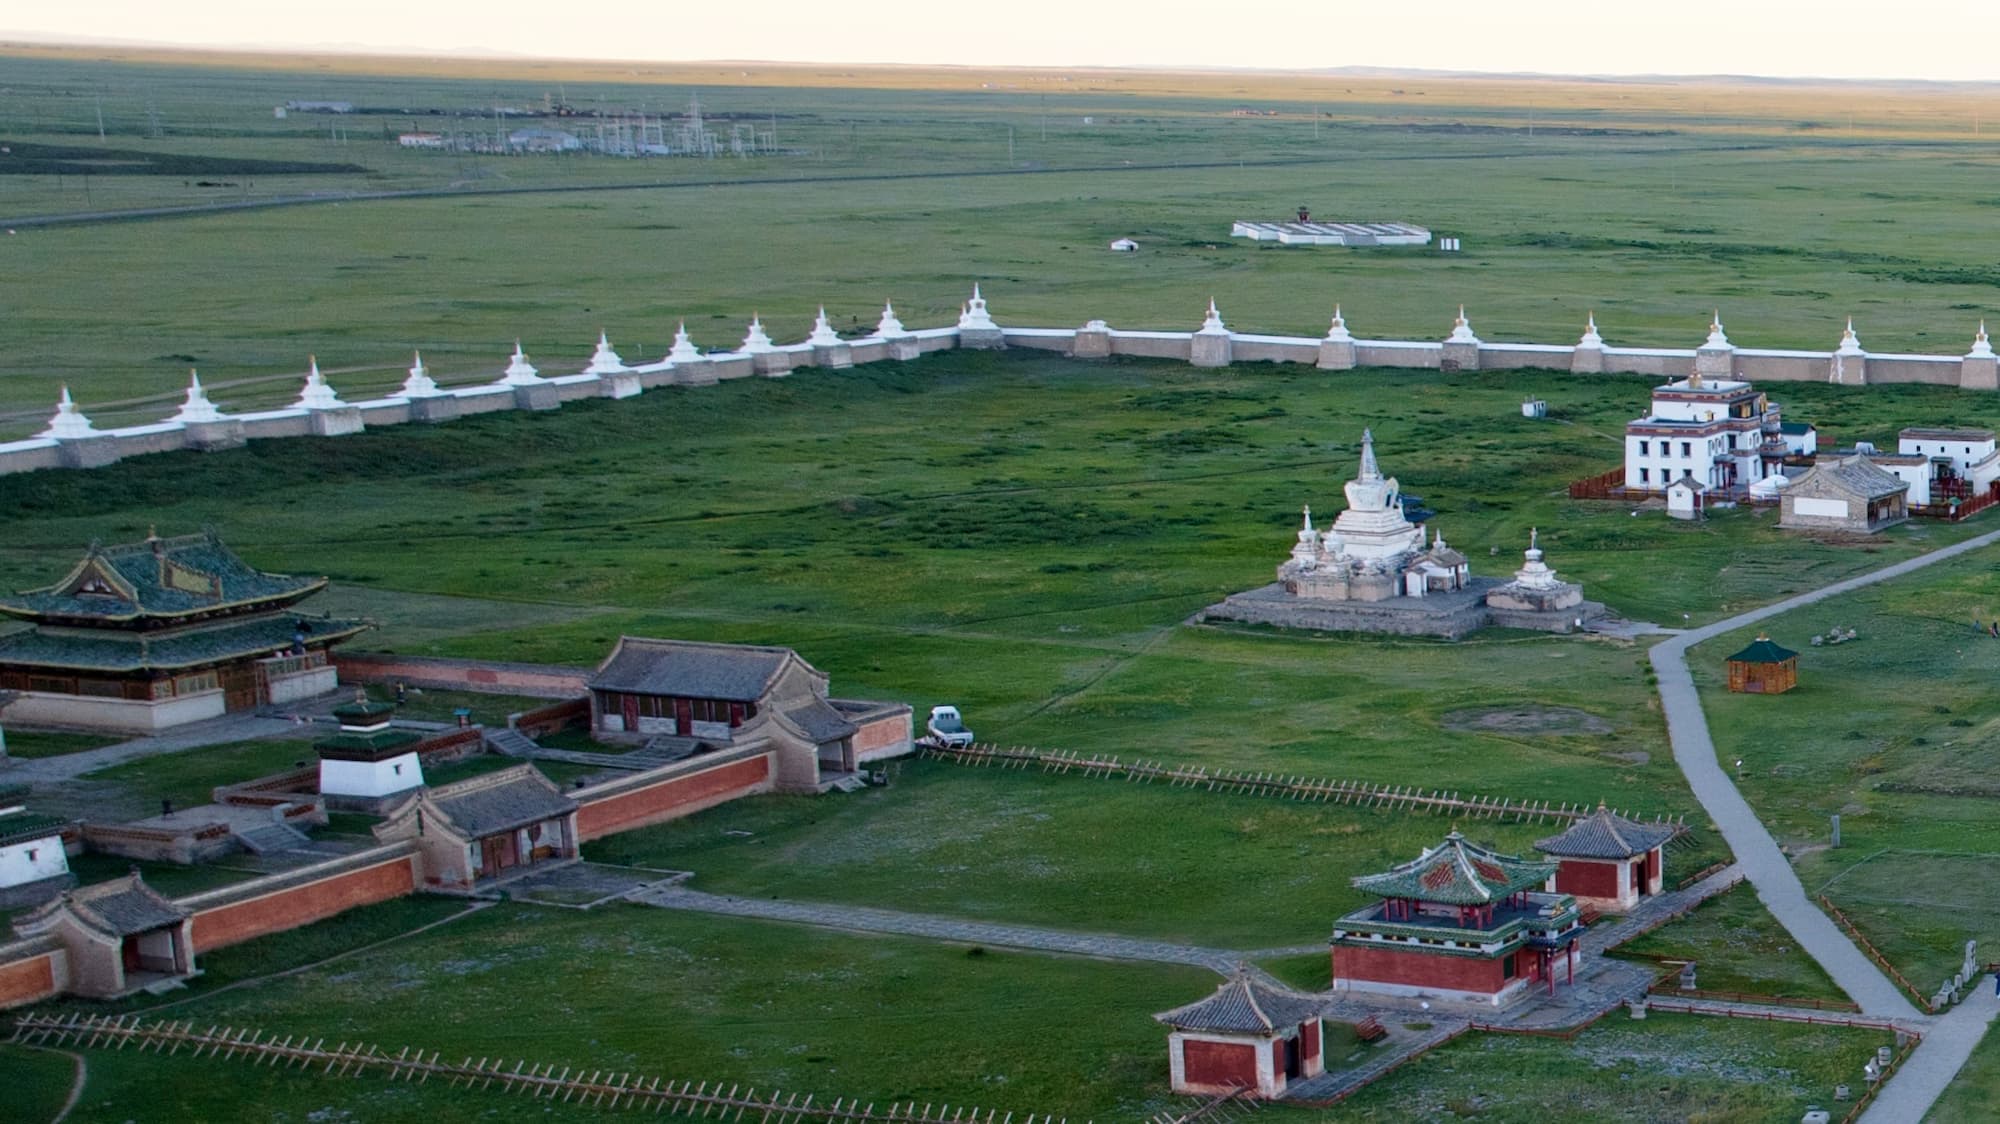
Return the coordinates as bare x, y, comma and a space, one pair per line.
74, 444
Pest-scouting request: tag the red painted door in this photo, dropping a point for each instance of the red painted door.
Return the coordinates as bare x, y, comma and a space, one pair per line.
628, 708
683, 717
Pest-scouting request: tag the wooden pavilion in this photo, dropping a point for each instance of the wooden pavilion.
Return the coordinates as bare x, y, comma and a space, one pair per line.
1763, 668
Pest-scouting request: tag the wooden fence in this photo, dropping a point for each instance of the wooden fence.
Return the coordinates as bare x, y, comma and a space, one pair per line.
1881, 961
1284, 786
1603, 486
601, 1088
1954, 512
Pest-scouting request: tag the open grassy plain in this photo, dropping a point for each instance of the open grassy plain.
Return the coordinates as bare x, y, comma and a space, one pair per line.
1894, 732
1788, 207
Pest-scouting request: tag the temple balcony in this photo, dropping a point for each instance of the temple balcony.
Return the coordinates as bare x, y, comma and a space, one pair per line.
1544, 920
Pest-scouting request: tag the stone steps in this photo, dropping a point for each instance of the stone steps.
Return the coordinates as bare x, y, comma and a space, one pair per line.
272, 839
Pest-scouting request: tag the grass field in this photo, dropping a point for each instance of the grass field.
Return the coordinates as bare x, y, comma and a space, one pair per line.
1892, 731
1737, 946
1972, 1095
28, 745
1788, 207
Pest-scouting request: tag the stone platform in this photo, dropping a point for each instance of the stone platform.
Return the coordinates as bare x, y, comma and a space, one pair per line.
1450, 615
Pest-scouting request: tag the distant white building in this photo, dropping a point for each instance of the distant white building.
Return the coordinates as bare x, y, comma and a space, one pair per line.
1308, 233
1721, 432
1124, 245
31, 848
536, 138
420, 140
1962, 460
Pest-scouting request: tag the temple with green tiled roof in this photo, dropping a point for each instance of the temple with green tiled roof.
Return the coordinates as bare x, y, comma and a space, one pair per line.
143, 636
1459, 922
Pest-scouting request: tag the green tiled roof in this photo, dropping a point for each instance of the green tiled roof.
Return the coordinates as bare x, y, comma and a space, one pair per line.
1762, 650
117, 651
1457, 872
158, 578
21, 826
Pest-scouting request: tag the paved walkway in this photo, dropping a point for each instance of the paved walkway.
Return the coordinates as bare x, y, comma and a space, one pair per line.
1947, 1044
215, 731
862, 919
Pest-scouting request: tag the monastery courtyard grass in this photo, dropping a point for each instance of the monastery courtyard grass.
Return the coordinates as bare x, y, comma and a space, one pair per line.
1895, 732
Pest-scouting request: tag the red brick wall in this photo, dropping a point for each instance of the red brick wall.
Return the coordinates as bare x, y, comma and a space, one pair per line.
1587, 879
302, 905
25, 981
881, 732
1219, 1063
1417, 969
1309, 1042
668, 799
470, 675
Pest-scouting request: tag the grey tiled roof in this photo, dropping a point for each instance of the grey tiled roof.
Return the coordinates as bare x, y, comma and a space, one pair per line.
111, 649
501, 801
821, 722
120, 907
162, 577
732, 672
1855, 475
1605, 835
1244, 1006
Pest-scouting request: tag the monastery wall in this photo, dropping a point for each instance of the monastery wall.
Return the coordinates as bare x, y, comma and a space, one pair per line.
234, 914
677, 790
535, 680
71, 441
31, 970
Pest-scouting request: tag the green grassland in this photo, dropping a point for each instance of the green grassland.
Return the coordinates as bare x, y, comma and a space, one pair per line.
1973, 1093
1737, 945
30, 744
1649, 204
1893, 731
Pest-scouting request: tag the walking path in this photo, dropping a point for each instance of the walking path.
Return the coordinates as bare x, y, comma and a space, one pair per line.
215, 731
1949, 1040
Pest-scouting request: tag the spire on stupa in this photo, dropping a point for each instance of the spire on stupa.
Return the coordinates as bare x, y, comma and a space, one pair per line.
823, 334
605, 361
1369, 470
1338, 331
1716, 336
419, 384
1982, 348
889, 327
1850, 344
1461, 329
756, 340
684, 350
1590, 336
974, 316
1211, 321
197, 408
68, 423
519, 371
317, 395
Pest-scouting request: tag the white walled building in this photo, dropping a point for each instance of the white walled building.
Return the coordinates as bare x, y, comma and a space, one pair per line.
1969, 455
1722, 432
368, 759
31, 848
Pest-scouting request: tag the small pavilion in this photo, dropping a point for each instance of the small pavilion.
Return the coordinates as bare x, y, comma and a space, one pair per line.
118, 936
1763, 668
1250, 1035
1458, 922
1608, 861
486, 826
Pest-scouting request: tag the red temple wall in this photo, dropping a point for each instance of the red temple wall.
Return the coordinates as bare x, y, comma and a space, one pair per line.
29, 979
1309, 1041
302, 905
668, 799
1588, 879
1220, 1063
1418, 969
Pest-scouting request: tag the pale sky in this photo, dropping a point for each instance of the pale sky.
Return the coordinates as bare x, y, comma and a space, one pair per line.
1936, 39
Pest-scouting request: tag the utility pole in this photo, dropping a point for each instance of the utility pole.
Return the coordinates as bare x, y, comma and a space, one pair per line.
100, 120
1010, 145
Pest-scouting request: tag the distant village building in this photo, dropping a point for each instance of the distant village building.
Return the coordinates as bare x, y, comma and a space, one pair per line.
420, 140
1249, 1035
539, 139
1459, 922
475, 830
1124, 245
1963, 462
1850, 493
1608, 861
149, 635
1722, 432
695, 694
1763, 668
1308, 233
117, 937
320, 106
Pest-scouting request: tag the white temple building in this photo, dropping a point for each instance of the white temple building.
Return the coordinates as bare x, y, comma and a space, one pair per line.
1722, 432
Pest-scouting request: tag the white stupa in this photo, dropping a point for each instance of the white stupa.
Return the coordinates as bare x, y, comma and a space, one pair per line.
1982, 348
317, 395
1211, 322
889, 327
1590, 336
1338, 332
1535, 587
1306, 551
823, 334
1373, 528
1850, 344
1461, 330
605, 361
974, 317
69, 424
419, 384
519, 371
197, 408
756, 340
1716, 337
684, 350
